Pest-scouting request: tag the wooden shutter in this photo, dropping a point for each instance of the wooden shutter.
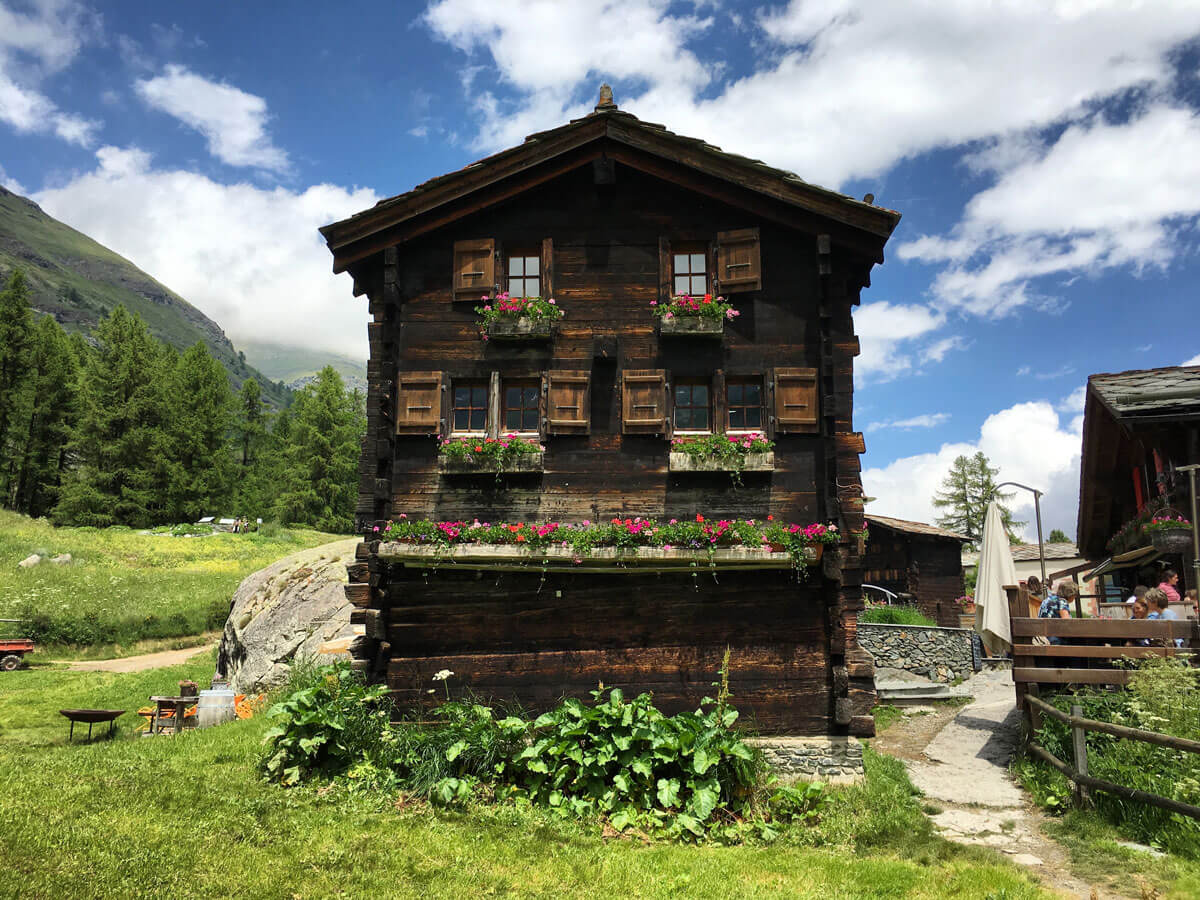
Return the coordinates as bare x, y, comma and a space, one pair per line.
418, 402
665, 280
644, 401
546, 287
739, 266
568, 402
474, 268
796, 402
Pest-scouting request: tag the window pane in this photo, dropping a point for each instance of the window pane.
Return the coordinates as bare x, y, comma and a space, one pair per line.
681, 284
735, 394
530, 396
737, 417
531, 287
462, 396
683, 417
478, 396
478, 419
462, 418
512, 420
699, 286
683, 394
697, 262
529, 422
753, 394
754, 417
681, 264
512, 396
516, 265
700, 395
700, 417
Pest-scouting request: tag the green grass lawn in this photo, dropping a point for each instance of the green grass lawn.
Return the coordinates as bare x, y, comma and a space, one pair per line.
122, 586
189, 816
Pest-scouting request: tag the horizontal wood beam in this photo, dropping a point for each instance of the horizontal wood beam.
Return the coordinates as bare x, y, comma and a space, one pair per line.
1031, 650
1023, 675
1113, 629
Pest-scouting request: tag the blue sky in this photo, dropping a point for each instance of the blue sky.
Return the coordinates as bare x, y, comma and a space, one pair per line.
1046, 158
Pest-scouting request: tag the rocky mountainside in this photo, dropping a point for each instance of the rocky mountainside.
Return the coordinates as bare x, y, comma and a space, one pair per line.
79, 281
298, 366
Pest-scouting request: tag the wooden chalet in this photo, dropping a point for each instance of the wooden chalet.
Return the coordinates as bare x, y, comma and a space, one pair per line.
918, 561
1139, 428
607, 214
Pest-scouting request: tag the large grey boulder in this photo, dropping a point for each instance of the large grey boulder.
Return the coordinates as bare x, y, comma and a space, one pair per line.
294, 608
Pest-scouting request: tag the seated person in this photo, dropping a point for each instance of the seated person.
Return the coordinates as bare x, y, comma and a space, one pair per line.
1139, 611
1170, 578
1166, 613
1056, 607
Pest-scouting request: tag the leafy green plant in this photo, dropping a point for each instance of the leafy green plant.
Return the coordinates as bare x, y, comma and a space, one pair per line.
491, 452
686, 306
330, 720
506, 308
895, 615
730, 450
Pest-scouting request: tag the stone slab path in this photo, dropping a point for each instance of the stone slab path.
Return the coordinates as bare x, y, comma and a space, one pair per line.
140, 663
963, 770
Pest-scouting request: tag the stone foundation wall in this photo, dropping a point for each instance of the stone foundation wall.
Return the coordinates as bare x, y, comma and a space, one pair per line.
838, 760
939, 654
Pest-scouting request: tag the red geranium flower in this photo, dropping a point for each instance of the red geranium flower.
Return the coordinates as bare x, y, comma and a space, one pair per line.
699, 518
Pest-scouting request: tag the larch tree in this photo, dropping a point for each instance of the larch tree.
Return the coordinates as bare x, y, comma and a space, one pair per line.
16, 340
965, 494
54, 375
1058, 536
197, 436
117, 445
320, 477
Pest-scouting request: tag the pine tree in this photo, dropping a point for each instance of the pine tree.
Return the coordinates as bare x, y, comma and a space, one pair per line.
196, 437
1058, 536
251, 421
16, 337
54, 374
320, 478
966, 492
117, 444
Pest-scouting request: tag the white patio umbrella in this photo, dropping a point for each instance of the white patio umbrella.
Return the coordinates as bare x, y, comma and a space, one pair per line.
996, 569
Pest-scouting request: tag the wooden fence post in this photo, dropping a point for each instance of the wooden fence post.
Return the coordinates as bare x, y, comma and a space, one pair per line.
1079, 743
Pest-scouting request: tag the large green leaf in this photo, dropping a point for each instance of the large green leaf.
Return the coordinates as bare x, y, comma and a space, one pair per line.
703, 760
668, 791
703, 802
455, 750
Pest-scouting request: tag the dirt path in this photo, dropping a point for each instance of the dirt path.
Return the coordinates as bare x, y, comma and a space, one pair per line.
959, 760
140, 663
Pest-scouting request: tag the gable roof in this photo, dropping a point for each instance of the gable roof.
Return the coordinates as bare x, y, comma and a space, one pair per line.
613, 133
1173, 391
920, 528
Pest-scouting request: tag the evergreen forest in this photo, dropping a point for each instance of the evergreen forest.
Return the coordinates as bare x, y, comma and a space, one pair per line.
122, 429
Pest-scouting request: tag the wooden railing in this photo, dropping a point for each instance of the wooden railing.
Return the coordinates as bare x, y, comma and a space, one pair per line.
1078, 773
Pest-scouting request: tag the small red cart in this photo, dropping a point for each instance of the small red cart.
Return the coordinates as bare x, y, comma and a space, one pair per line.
13, 650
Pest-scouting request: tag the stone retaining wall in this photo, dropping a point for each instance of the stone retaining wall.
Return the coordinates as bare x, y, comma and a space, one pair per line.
939, 654
838, 760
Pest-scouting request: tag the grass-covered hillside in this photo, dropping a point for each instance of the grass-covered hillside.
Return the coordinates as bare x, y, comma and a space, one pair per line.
295, 366
80, 281
122, 586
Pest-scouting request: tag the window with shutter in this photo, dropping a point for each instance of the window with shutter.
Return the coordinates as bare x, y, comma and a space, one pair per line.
739, 266
521, 408
568, 402
474, 268
796, 402
644, 401
693, 404
743, 403
418, 402
469, 406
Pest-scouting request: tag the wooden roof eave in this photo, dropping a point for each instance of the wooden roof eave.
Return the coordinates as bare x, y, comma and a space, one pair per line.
855, 225
1101, 429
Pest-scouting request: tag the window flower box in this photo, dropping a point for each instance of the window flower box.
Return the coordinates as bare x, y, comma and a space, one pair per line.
751, 462
687, 316
522, 329
507, 318
509, 454
691, 326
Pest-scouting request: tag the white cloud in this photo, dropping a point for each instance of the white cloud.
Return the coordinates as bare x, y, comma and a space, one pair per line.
1102, 195
231, 120
843, 89
33, 45
1073, 402
927, 420
936, 352
1024, 370
1194, 361
1027, 442
885, 332
249, 258
7, 181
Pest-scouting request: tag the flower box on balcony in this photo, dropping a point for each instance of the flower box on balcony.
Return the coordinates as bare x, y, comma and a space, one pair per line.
751, 462
691, 326
506, 557
522, 329
526, 463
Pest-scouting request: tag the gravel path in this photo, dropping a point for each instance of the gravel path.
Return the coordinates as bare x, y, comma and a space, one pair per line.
140, 663
963, 770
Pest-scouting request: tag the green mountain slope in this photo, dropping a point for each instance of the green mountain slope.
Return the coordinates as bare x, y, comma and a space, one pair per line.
79, 281
294, 365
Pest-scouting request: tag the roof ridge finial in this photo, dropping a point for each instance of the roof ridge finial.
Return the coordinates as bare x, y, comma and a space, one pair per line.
606, 98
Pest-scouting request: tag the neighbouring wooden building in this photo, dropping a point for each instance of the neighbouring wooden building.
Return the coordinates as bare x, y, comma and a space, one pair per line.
917, 561
1139, 428
609, 214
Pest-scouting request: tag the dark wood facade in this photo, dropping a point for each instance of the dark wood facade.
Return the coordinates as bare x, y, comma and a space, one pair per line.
918, 560
603, 205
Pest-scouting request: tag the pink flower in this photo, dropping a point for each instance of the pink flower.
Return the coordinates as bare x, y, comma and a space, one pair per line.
376, 529
403, 515
552, 303
654, 303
